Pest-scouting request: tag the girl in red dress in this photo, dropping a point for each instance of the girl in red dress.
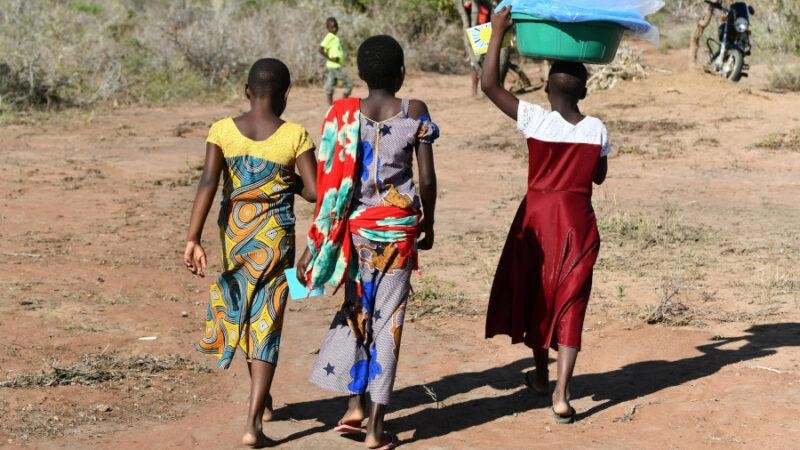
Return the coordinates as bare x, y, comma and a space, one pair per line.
544, 276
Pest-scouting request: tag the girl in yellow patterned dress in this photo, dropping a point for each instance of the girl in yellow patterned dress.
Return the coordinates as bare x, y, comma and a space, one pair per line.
257, 153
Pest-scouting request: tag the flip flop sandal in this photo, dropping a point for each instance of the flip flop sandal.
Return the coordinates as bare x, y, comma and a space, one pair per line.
530, 383
345, 428
388, 442
569, 418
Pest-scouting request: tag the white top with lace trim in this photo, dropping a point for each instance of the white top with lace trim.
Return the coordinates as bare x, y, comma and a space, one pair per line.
549, 126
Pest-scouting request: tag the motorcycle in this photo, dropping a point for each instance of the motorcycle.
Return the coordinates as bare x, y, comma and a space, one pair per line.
727, 55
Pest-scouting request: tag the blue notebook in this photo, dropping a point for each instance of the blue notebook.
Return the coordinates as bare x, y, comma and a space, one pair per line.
296, 290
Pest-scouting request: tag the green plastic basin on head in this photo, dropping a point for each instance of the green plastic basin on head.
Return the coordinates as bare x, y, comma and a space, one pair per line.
589, 42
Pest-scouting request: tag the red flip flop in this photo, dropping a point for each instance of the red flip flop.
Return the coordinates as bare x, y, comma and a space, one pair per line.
345, 428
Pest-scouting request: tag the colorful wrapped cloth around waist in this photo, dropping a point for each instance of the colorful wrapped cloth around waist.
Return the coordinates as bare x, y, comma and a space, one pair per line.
388, 224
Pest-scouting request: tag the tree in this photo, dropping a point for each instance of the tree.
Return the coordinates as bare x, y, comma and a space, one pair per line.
702, 24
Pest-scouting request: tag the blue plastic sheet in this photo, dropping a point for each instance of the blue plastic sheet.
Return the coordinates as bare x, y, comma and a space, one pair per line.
628, 13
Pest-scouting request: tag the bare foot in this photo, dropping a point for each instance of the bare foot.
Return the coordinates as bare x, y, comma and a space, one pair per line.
354, 415
386, 441
255, 439
268, 411
538, 381
561, 405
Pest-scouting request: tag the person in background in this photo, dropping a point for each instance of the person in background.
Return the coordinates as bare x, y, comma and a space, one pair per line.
484, 13
331, 49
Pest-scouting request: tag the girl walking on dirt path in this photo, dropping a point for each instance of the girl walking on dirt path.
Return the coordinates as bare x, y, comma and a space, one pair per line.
257, 152
544, 276
368, 219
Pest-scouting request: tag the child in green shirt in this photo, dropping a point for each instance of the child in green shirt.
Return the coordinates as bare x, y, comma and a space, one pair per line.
331, 49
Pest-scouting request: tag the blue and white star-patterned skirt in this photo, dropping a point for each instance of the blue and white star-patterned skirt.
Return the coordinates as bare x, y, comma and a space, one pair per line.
359, 352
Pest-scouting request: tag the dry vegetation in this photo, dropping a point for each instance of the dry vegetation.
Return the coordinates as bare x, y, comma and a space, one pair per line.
103, 368
774, 25
82, 52
78, 53
694, 250
789, 141
786, 78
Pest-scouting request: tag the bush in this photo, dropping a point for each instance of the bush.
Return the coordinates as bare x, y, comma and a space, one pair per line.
789, 141
786, 78
60, 53
776, 24
52, 52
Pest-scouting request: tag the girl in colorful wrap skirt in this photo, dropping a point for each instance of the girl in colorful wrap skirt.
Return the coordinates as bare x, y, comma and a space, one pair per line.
257, 153
365, 231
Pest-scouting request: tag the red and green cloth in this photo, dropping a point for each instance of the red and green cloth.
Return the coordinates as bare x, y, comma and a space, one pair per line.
329, 237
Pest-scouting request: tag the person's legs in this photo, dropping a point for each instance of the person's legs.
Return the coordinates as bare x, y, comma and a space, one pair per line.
261, 373
355, 412
339, 364
391, 281
330, 83
375, 436
540, 383
474, 75
565, 364
345, 79
267, 399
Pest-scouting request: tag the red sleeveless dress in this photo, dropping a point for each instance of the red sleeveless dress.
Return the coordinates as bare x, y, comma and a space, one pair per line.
544, 277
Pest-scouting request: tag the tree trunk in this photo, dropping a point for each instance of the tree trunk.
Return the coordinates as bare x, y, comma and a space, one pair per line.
702, 24
473, 13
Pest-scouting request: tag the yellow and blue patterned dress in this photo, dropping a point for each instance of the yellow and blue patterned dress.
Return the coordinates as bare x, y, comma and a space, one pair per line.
256, 223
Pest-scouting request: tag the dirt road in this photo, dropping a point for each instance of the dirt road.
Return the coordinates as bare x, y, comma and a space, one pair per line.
700, 238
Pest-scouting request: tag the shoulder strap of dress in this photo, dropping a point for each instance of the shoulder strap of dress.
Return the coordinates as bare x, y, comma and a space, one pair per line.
404, 106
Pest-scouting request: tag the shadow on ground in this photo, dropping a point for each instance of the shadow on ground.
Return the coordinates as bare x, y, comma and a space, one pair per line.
618, 386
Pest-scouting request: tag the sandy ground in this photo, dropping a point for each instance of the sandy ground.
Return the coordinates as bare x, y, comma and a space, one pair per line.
692, 338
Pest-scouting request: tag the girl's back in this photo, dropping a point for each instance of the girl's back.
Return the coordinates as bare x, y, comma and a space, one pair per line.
385, 168
256, 154
256, 222
259, 172
563, 157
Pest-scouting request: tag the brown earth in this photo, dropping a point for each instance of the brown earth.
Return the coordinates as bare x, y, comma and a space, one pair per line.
692, 338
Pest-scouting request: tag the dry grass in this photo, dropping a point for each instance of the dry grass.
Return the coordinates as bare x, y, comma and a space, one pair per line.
102, 368
651, 127
433, 296
56, 53
156, 52
188, 177
785, 79
789, 141
667, 228
630, 150
669, 310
